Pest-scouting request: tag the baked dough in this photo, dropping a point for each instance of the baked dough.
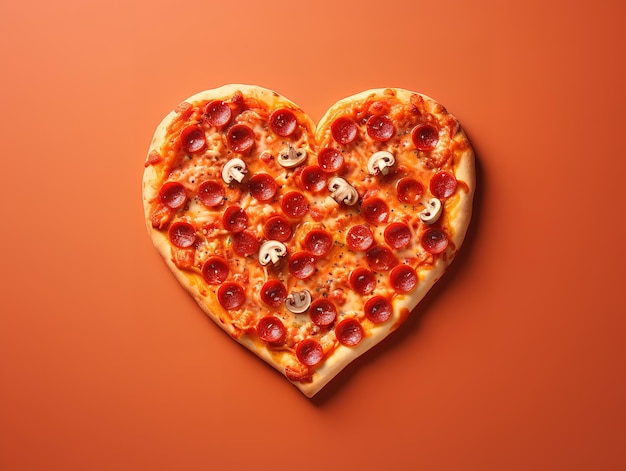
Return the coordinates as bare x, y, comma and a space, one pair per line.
250, 128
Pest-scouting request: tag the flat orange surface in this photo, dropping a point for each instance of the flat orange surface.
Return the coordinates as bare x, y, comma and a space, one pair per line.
515, 361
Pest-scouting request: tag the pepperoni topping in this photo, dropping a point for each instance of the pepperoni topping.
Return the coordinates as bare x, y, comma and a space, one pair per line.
182, 234
231, 295
434, 241
318, 242
309, 352
234, 219
240, 138
283, 122
245, 244
277, 228
409, 190
271, 329
378, 309
217, 113
215, 270
359, 237
403, 278
192, 138
380, 128
262, 186
374, 210
211, 193
344, 130
330, 160
425, 137
443, 185
322, 312
362, 280
302, 265
295, 204
173, 195
397, 235
381, 258
153, 158
313, 179
273, 293
349, 332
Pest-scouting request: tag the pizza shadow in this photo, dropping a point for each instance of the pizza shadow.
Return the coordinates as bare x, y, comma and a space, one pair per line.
409, 331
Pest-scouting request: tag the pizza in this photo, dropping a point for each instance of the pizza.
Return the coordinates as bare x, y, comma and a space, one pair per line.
308, 244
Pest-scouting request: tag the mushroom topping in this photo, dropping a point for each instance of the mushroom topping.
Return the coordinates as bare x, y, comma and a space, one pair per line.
432, 211
292, 157
234, 169
341, 190
380, 162
271, 251
298, 301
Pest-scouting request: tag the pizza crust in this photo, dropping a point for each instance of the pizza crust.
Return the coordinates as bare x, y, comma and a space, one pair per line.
402, 304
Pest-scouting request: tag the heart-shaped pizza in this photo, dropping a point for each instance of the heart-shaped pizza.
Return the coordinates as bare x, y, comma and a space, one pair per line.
308, 244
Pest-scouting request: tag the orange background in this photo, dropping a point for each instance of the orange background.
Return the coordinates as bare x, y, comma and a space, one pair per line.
515, 360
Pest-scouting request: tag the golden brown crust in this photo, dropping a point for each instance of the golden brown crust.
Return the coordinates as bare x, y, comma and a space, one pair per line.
458, 209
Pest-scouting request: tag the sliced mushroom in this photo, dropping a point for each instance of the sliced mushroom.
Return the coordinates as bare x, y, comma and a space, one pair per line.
431, 213
298, 301
271, 251
234, 169
342, 191
292, 157
380, 162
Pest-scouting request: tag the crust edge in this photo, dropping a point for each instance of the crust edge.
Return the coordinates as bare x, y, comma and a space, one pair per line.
342, 356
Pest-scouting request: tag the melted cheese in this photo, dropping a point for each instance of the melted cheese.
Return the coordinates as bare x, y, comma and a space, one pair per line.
331, 279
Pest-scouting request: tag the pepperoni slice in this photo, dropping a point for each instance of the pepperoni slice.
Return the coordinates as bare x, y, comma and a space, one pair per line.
318, 242
217, 113
397, 235
240, 138
322, 312
277, 228
262, 186
173, 195
349, 332
381, 258
443, 184
231, 296
271, 329
378, 309
245, 244
235, 219
215, 270
344, 130
193, 138
309, 352
273, 293
425, 137
302, 265
403, 279
380, 128
359, 237
434, 241
283, 122
330, 160
362, 280
313, 178
375, 210
211, 193
409, 190
182, 234
295, 204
